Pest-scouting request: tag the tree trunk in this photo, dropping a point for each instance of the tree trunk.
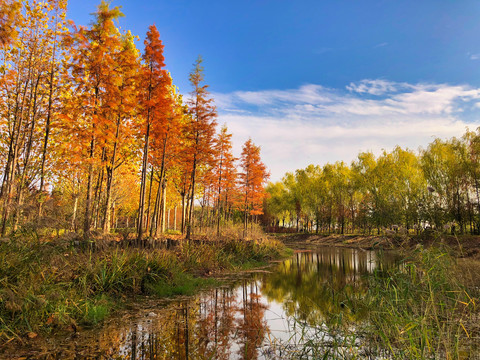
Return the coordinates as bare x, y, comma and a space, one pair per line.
110, 174
168, 219
88, 202
47, 121
183, 213
156, 208
164, 205
175, 218
147, 217
141, 205
74, 216
192, 196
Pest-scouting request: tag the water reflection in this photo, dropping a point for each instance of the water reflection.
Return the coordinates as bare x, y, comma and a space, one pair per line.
312, 286
223, 323
243, 320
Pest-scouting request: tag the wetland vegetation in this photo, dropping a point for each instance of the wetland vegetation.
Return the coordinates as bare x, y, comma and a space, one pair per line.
123, 207
53, 286
329, 303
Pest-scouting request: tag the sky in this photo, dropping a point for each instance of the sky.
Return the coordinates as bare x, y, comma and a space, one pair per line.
317, 81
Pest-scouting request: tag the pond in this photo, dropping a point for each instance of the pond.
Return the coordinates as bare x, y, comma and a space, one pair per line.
266, 314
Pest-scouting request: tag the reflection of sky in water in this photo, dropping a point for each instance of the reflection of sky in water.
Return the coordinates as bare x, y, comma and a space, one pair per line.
262, 310
348, 265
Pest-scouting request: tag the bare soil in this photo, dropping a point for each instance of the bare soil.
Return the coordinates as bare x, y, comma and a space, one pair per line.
462, 246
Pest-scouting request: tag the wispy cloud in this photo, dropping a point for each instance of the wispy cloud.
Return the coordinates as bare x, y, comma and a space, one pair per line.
373, 87
381, 45
315, 124
474, 56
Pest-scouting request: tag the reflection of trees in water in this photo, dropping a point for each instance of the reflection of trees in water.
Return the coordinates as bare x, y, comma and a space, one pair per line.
316, 287
251, 325
216, 319
218, 324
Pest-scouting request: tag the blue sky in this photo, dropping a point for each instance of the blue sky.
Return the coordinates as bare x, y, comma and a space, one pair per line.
318, 81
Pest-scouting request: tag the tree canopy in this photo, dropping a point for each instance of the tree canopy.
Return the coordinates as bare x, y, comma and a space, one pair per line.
436, 187
95, 135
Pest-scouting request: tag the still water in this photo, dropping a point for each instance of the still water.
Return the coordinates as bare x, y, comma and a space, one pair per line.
267, 314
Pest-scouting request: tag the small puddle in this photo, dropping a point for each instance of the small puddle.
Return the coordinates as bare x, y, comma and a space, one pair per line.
266, 315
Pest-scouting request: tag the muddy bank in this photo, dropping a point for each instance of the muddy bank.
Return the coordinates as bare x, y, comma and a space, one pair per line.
463, 246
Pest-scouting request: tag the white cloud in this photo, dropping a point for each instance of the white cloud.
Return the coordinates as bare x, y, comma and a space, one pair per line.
381, 45
474, 56
314, 124
310, 94
373, 87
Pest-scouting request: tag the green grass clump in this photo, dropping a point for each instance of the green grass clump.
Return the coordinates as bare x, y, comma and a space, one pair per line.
181, 284
245, 254
94, 311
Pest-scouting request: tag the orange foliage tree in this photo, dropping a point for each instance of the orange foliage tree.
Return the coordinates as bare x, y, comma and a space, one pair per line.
154, 104
88, 123
252, 180
200, 131
87, 113
224, 172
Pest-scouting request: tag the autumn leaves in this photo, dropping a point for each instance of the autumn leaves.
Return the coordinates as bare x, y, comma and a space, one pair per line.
93, 126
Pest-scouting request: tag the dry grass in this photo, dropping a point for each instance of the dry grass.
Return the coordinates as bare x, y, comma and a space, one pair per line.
45, 286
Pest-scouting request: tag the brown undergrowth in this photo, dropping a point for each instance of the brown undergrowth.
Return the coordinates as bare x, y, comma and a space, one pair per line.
64, 284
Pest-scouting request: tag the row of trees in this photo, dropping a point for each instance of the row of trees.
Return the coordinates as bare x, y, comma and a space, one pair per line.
435, 187
93, 131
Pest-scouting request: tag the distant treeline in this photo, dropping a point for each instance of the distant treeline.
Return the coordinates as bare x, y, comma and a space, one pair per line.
437, 187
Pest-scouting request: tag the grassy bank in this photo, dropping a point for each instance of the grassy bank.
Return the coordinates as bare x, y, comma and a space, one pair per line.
50, 286
424, 308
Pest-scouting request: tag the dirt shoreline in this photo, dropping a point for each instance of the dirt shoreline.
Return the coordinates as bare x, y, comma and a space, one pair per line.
462, 246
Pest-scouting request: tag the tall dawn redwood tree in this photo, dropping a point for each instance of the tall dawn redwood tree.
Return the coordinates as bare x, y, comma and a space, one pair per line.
252, 180
167, 136
118, 145
154, 102
201, 131
88, 112
224, 172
